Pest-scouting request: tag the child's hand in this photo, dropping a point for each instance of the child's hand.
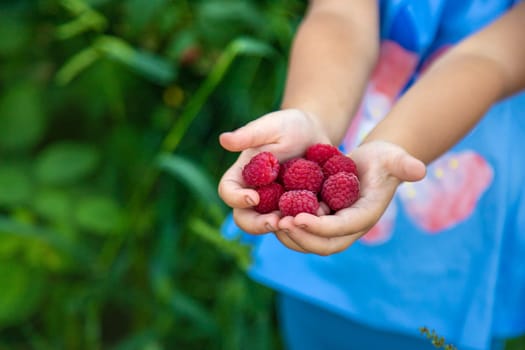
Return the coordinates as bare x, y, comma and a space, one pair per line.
382, 167
286, 134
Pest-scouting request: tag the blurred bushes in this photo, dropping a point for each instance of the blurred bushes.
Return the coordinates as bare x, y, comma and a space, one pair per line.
109, 217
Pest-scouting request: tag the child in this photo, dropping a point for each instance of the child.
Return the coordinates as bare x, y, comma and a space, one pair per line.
436, 250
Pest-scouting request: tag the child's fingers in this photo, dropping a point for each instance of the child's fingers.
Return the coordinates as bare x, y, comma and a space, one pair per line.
236, 196
283, 237
252, 222
260, 132
321, 245
394, 159
407, 168
355, 219
232, 191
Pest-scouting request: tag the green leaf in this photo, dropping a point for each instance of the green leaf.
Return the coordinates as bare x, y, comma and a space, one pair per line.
53, 205
15, 185
34, 246
21, 292
99, 214
252, 47
66, 162
220, 20
85, 22
41, 255
75, 7
35, 235
141, 12
76, 65
22, 119
149, 65
231, 10
194, 177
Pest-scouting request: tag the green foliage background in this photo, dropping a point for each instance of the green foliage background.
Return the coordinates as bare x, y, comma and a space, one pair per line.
109, 218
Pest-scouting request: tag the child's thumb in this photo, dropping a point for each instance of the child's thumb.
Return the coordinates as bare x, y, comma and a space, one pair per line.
409, 168
254, 134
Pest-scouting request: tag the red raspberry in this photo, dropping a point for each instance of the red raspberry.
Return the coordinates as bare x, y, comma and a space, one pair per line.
269, 197
298, 201
303, 174
340, 190
261, 170
284, 167
321, 152
338, 164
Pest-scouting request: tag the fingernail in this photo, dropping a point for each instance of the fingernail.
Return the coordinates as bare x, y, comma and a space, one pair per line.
249, 201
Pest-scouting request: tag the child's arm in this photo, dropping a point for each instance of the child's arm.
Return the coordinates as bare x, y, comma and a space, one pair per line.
333, 53
458, 89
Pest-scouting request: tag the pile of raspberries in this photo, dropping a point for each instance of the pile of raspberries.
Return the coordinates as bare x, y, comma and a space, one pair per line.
298, 185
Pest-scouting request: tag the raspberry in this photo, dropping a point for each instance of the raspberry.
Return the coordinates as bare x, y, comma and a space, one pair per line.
294, 202
303, 174
261, 170
269, 197
284, 167
321, 152
338, 164
340, 190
